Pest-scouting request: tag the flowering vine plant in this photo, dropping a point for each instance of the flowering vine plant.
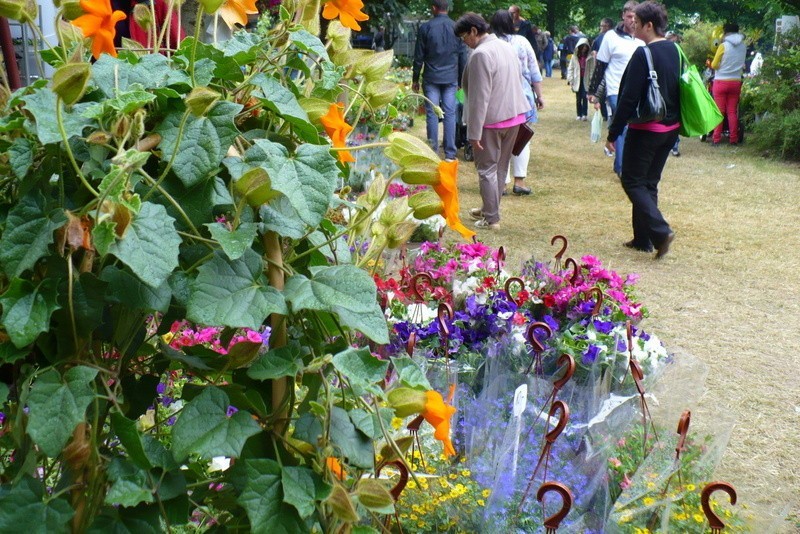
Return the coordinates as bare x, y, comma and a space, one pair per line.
165, 206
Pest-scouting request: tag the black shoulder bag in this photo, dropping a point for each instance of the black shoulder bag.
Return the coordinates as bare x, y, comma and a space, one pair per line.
651, 107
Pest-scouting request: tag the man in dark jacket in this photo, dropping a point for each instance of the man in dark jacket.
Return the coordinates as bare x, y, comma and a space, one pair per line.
440, 56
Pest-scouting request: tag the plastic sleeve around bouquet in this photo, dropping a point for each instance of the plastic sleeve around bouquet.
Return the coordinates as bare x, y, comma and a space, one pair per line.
503, 447
652, 485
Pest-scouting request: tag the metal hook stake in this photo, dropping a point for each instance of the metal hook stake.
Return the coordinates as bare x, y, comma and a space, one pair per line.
714, 521
536, 346
552, 523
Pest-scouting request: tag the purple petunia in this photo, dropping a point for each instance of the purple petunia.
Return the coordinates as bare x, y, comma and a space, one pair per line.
604, 327
231, 410
161, 388
590, 356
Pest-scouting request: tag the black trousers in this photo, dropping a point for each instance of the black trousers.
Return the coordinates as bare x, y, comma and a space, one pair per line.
581, 101
643, 160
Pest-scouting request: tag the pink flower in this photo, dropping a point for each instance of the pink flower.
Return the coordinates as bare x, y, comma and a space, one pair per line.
626, 482
614, 462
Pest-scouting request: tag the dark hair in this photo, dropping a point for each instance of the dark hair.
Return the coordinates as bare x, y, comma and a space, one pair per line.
584, 46
654, 12
730, 27
608, 22
630, 5
470, 20
440, 5
502, 24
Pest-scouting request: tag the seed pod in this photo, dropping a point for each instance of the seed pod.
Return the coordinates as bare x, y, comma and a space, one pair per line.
70, 81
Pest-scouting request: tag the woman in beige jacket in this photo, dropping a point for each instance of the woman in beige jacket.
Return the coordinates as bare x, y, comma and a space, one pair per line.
576, 75
495, 108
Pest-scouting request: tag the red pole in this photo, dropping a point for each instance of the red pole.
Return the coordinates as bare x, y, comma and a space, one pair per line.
9, 57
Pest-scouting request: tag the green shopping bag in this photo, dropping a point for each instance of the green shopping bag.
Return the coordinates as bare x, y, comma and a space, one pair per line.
699, 112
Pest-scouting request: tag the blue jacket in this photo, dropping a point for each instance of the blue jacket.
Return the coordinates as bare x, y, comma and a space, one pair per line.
440, 51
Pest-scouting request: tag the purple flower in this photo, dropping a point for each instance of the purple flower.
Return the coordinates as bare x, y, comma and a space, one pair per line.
551, 322
604, 327
160, 388
166, 401
231, 410
590, 356
622, 345
171, 421
2, 418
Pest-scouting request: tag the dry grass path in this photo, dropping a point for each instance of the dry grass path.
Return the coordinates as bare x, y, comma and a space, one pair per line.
728, 293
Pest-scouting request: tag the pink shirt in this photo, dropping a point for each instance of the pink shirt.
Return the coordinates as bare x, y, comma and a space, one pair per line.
508, 123
655, 127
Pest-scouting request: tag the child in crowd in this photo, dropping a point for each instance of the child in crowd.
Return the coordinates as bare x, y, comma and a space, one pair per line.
575, 75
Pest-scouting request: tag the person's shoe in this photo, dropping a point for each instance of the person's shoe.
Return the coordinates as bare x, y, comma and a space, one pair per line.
449, 160
520, 190
663, 248
483, 224
630, 244
476, 214
578, 118
583, 118
676, 152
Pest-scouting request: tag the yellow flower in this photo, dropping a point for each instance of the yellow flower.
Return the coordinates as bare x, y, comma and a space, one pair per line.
485, 493
98, 24
438, 414
481, 502
235, 12
626, 518
698, 518
648, 501
452, 476
396, 424
348, 11
690, 487
447, 189
466, 473
337, 129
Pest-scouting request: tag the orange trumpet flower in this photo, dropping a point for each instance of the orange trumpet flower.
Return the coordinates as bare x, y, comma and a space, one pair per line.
98, 24
447, 189
438, 413
348, 11
337, 129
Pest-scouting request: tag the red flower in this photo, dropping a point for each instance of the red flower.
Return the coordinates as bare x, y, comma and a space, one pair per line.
549, 301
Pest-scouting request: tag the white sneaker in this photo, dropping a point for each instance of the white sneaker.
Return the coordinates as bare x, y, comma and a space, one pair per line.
583, 118
578, 118
476, 214
483, 224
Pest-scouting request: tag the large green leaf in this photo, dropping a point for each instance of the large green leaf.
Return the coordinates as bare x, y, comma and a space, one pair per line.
203, 144
128, 434
262, 499
204, 428
242, 46
3, 393
410, 373
20, 156
150, 245
356, 446
28, 233
308, 178
302, 487
42, 105
361, 368
128, 290
233, 242
308, 42
283, 361
276, 97
57, 405
233, 293
199, 203
23, 508
129, 484
141, 519
27, 309
344, 290
219, 64
112, 75
279, 216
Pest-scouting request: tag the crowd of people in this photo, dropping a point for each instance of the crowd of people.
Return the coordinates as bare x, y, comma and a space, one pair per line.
499, 66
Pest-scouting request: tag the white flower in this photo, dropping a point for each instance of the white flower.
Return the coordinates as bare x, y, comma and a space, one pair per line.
421, 313
219, 463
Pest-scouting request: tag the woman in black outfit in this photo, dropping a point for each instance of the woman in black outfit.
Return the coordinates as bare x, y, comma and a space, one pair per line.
648, 144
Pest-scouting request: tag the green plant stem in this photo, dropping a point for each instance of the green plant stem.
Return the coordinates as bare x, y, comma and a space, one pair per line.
198, 24
174, 152
71, 302
391, 442
65, 139
157, 187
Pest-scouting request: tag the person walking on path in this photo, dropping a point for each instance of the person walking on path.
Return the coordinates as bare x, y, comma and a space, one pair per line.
495, 106
547, 55
441, 57
503, 27
728, 64
615, 51
575, 76
605, 25
522, 26
648, 144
